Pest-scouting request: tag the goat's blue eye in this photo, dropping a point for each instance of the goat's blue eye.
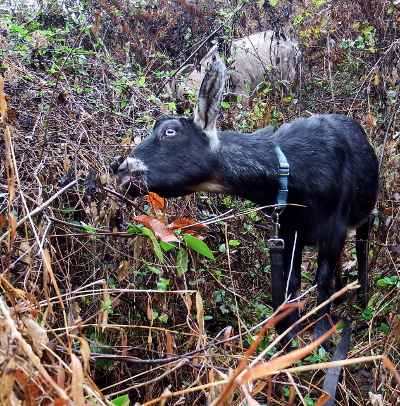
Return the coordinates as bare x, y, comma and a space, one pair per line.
169, 132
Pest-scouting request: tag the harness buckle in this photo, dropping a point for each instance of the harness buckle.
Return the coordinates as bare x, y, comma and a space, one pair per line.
276, 242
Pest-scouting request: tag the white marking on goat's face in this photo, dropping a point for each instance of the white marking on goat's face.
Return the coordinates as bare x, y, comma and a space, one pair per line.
130, 169
136, 165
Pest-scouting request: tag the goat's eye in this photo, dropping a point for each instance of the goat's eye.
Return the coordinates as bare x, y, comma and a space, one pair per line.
169, 132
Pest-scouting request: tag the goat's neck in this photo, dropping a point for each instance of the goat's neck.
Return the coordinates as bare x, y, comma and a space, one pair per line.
248, 164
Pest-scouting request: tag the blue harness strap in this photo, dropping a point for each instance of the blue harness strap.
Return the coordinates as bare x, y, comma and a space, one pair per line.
281, 199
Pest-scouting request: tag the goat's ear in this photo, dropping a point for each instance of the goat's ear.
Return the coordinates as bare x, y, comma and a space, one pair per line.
209, 99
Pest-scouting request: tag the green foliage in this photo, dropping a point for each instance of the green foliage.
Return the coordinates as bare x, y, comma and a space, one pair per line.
199, 246
121, 401
389, 282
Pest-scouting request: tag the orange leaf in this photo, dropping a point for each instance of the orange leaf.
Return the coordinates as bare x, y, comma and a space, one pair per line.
267, 368
2, 222
371, 122
60, 402
169, 342
156, 201
159, 229
322, 399
157, 206
186, 223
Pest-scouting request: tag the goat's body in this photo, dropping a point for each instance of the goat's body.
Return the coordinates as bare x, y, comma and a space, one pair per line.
333, 180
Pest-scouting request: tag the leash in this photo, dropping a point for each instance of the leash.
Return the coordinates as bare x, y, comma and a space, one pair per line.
276, 244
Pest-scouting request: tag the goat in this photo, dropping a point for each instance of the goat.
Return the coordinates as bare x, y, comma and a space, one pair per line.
333, 181
258, 57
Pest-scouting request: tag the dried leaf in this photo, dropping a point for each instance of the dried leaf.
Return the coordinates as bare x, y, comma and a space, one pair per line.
159, 229
396, 328
3, 104
24, 250
77, 381
38, 335
155, 201
370, 121
376, 399
165, 395
322, 399
157, 207
188, 302
47, 273
60, 402
213, 392
12, 225
227, 334
7, 381
85, 353
187, 224
169, 344
200, 318
267, 368
2, 222
122, 271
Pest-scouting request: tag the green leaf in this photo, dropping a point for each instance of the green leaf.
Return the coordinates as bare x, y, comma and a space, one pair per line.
162, 284
142, 80
107, 304
384, 328
182, 261
156, 245
225, 105
198, 246
121, 401
273, 2
135, 229
166, 246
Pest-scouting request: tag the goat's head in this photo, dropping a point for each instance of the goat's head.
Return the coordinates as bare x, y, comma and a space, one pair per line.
177, 157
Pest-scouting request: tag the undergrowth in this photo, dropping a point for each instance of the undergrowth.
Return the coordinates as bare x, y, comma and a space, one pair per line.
96, 306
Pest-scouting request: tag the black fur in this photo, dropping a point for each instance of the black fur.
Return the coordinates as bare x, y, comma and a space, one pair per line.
333, 173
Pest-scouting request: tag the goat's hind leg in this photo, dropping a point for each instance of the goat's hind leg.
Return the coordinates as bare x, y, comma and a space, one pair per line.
329, 264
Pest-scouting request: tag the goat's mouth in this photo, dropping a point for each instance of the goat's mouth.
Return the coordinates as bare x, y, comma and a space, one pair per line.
131, 185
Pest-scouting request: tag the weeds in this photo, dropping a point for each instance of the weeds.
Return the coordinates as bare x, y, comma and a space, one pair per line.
95, 304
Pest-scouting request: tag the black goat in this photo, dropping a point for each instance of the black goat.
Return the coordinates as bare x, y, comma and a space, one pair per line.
333, 176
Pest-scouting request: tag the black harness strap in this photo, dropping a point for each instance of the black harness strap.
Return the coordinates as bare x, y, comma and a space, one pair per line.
276, 244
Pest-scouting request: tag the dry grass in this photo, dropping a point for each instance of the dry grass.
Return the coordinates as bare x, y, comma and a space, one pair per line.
89, 312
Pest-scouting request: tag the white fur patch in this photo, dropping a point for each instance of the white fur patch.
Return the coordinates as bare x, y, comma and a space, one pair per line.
135, 165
